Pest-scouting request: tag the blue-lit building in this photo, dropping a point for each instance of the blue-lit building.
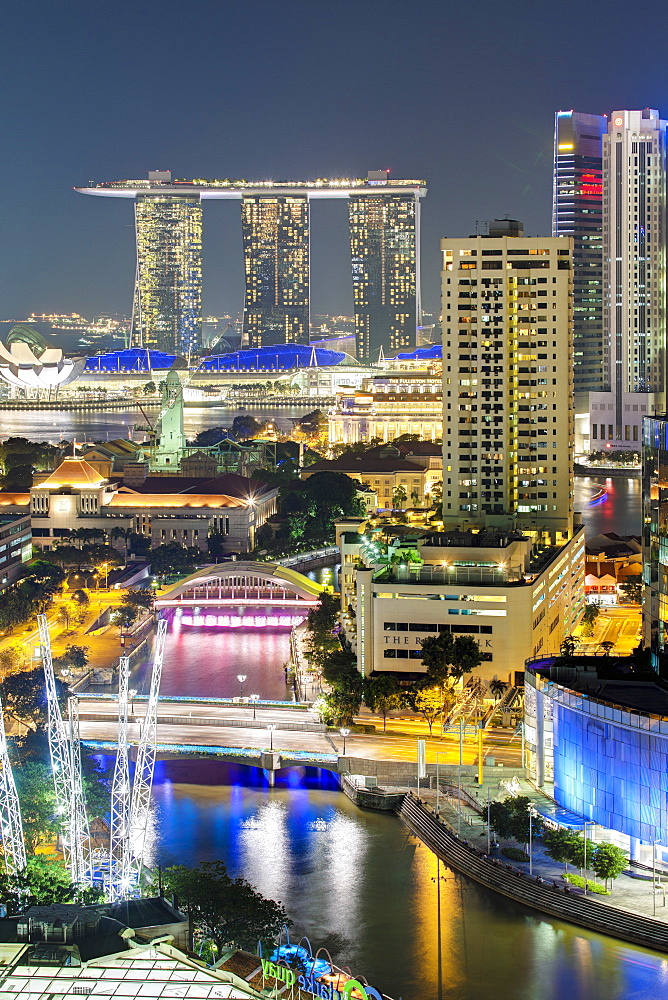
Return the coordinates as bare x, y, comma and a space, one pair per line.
277, 357
133, 361
596, 739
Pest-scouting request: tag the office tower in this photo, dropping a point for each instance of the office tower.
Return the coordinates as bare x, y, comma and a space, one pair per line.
276, 264
577, 211
384, 247
634, 278
167, 308
508, 382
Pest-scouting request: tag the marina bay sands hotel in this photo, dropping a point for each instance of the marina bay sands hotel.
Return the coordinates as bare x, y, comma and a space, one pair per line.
384, 219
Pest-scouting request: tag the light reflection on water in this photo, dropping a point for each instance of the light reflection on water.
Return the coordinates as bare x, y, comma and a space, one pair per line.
619, 511
360, 883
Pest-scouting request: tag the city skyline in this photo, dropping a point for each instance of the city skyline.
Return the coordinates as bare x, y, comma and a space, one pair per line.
321, 100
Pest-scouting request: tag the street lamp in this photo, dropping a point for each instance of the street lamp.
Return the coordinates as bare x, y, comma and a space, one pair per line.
254, 698
132, 692
271, 727
531, 813
344, 733
241, 678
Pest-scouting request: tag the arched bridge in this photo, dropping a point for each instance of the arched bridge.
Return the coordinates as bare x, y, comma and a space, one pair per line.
243, 583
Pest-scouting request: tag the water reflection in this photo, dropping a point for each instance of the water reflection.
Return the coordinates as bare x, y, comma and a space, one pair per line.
620, 511
359, 883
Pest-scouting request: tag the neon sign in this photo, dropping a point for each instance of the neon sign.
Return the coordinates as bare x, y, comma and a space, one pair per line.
352, 988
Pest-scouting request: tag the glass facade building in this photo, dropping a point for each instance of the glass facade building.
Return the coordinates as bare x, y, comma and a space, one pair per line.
608, 762
276, 265
578, 212
655, 539
384, 247
167, 307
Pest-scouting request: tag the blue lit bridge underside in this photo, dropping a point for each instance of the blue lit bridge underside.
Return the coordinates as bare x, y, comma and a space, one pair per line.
250, 756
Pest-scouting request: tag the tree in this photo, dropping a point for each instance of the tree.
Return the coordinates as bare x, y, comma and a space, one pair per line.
77, 656
70, 614
345, 701
24, 697
124, 533
44, 881
632, 590
382, 694
216, 544
12, 659
339, 666
428, 701
37, 798
589, 616
124, 616
142, 599
608, 861
138, 544
511, 818
245, 427
229, 911
437, 493
264, 536
607, 646
582, 852
149, 389
447, 659
497, 687
559, 845
568, 646
399, 497
81, 597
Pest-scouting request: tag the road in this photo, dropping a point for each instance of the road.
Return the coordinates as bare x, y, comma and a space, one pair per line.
215, 730
620, 625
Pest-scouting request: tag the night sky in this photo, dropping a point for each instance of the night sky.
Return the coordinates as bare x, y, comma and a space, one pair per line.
461, 94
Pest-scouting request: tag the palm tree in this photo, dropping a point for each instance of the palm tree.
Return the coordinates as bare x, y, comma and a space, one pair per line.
497, 687
607, 646
399, 496
123, 533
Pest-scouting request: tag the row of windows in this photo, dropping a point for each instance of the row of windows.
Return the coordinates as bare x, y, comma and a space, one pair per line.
611, 432
417, 627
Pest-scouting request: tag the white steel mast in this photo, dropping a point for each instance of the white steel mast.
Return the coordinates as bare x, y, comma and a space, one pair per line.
143, 779
59, 742
11, 827
119, 835
80, 852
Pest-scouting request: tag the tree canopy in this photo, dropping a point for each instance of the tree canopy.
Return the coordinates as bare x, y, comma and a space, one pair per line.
226, 910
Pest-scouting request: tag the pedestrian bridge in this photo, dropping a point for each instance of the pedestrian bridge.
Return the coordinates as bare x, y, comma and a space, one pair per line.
243, 583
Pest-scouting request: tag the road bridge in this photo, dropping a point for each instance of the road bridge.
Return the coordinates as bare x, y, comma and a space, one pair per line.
240, 734
243, 583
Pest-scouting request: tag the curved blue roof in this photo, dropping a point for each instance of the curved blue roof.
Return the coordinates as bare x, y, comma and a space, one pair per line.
277, 357
133, 359
432, 353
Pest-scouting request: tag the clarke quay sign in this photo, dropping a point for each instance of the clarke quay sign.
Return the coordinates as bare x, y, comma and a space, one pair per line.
326, 991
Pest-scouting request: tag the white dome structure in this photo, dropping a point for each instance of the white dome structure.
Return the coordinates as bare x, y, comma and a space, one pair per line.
27, 361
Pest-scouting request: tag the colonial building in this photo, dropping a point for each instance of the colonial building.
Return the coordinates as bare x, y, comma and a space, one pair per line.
387, 407
164, 508
386, 470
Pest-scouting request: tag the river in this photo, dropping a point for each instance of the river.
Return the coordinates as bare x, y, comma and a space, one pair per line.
104, 425
357, 881
361, 884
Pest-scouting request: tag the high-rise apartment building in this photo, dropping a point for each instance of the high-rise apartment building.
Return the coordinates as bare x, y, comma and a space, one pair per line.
634, 276
384, 247
508, 383
276, 264
577, 211
167, 307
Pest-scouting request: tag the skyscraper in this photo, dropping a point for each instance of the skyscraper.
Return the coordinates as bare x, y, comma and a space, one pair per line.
276, 264
508, 382
167, 307
577, 211
384, 246
634, 254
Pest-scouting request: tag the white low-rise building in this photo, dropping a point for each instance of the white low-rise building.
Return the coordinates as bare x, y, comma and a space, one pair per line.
518, 598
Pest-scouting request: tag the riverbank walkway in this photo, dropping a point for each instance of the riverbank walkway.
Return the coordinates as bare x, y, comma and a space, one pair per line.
629, 893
